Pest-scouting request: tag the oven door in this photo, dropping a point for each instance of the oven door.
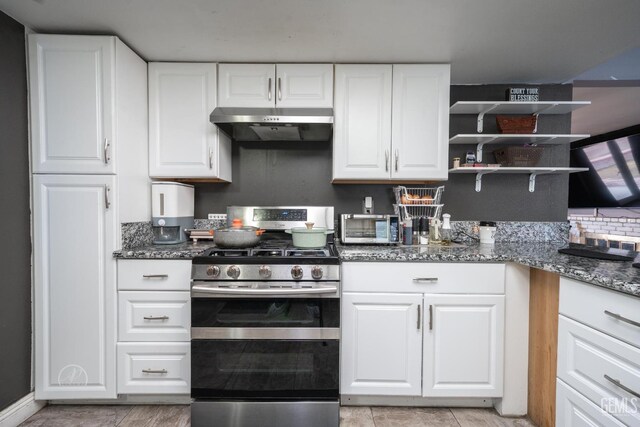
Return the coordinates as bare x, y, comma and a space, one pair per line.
257, 348
264, 369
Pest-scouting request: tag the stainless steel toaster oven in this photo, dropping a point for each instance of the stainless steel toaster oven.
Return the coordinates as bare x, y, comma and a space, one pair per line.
369, 229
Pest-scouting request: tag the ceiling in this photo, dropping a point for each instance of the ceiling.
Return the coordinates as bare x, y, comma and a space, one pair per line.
488, 41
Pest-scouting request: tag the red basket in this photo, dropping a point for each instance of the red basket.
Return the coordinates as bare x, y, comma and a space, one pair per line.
520, 124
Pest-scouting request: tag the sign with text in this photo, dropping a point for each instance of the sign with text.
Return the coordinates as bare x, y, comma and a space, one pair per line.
523, 94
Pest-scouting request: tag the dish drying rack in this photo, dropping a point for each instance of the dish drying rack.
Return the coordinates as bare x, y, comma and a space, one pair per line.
414, 202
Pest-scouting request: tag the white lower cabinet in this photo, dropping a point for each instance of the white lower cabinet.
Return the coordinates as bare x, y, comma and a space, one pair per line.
575, 410
463, 345
412, 343
154, 368
154, 326
598, 357
381, 341
74, 235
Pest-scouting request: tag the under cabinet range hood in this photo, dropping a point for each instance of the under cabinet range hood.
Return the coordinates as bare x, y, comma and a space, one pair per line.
274, 124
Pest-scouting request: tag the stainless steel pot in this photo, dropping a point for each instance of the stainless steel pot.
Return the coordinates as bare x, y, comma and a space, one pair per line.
237, 237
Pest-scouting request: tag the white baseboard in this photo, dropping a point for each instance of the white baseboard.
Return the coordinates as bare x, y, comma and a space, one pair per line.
21, 410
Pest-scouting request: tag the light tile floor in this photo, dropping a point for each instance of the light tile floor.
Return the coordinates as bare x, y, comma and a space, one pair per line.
350, 416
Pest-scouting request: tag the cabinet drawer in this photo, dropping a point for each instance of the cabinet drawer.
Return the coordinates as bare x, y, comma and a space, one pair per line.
590, 362
450, 278
154, 368
154, 316
154, 275
600, 308
575, 410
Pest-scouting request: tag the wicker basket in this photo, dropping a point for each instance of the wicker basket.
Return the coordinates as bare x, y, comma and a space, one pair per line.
520, 124
515, 156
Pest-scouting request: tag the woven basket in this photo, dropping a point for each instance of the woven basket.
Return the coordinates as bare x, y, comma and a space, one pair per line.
520, 124
518, 156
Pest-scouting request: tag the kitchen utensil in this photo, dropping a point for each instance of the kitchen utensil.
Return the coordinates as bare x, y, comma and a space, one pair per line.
309, 237
237, 236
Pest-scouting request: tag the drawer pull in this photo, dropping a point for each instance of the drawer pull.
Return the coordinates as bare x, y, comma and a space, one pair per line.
155, 276
419, 315
620, 385
154, 371
156, 318
621, 318
425, 279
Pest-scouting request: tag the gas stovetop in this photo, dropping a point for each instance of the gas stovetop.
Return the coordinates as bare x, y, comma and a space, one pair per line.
272, 248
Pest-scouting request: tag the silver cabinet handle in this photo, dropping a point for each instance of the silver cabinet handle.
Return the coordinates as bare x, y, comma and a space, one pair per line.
154, 371
419, 316
386, 160
425, 279
397, 156
622, 318
279, 89
210, 159
155, 276
107, 200
156, 318
622, 386
269, 89
107, 157
430, 317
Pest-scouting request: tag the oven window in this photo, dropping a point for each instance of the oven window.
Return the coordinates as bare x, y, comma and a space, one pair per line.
257, 369
265, 312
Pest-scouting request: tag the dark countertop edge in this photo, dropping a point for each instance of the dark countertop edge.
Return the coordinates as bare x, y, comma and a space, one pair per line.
627, 288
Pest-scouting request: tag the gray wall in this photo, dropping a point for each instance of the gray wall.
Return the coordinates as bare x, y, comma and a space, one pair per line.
15, 285
300, 173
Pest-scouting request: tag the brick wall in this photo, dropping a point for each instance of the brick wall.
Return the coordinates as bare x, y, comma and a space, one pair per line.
606, 225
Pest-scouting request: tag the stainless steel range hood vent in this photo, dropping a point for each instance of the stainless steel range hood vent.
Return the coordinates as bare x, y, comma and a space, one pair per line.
274, 124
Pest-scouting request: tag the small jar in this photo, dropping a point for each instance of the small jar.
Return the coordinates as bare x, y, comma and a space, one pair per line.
487, 232
456, 162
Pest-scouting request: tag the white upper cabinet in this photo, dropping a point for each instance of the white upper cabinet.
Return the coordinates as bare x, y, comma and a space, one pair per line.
183, 143
420, 121
304, 85
463, 345
391, 122
362, 127
72, 89
74, 221
270, 85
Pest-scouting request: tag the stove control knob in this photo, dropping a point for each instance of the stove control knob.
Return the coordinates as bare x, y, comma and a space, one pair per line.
213, 270
316, 272
264, 271
296, 272
233, 271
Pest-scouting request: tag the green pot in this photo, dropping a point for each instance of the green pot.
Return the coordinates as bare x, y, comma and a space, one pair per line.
309, 238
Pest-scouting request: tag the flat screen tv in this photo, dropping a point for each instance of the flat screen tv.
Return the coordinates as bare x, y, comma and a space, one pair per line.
613, 179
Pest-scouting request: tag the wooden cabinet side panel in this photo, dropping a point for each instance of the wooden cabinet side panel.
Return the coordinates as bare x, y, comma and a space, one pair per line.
543, 346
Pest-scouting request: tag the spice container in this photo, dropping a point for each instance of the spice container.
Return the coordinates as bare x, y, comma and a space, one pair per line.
456, 162
415, 238
424, 230
434, 230
407, 231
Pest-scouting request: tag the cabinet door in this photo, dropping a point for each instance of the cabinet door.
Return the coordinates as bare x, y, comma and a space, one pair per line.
183, 143
381, 339
71, 85
304, 85
420, 121
362, 127
247, 85
75, 286
463, 345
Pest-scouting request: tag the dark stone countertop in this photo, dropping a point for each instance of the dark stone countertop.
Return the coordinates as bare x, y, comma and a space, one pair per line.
619, 276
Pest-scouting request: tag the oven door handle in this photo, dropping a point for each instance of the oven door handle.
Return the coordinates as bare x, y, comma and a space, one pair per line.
264, 291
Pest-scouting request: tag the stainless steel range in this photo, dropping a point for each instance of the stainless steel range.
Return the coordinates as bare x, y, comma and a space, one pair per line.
266, 327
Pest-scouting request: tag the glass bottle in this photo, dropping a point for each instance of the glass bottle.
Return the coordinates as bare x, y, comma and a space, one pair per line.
445, 233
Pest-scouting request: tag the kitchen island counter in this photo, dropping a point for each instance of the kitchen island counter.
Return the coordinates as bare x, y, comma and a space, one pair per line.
619, 276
